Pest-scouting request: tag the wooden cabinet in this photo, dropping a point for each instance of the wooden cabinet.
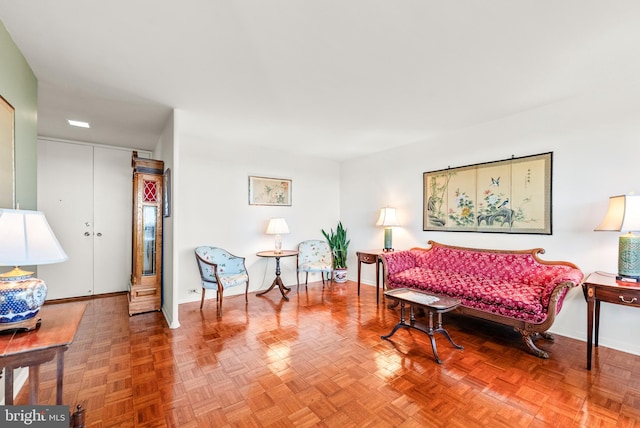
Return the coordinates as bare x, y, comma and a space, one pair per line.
146, 272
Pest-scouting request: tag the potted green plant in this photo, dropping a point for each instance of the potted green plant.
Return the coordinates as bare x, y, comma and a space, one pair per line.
339, 245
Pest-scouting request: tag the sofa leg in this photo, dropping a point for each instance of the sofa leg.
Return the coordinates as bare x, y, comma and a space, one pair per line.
528, 341
547, 336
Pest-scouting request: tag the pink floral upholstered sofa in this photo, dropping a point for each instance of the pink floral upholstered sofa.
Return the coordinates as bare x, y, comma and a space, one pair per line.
515, 288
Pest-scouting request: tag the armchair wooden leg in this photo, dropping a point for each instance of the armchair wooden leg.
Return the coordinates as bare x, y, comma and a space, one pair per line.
202, 300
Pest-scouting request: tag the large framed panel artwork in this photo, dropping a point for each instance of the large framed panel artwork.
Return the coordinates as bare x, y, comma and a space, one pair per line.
7, 172
505, 196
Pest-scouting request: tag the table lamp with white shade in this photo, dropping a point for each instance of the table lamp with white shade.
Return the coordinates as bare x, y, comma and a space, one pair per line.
277, 227
25, 240
623, 215
388, 220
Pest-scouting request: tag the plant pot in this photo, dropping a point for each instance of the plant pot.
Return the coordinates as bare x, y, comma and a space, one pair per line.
340, 275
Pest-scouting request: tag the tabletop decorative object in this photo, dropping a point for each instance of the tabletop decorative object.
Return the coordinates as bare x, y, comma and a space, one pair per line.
25, 240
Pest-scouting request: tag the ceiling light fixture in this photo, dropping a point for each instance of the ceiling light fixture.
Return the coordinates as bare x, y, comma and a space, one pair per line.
79, 123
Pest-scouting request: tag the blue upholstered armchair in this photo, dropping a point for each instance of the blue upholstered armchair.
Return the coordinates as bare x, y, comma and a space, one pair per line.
314, 256
220, 270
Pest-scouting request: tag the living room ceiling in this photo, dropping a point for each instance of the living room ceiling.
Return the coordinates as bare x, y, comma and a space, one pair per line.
332, 78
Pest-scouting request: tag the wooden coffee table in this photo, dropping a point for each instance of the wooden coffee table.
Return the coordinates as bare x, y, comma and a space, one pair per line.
432, 304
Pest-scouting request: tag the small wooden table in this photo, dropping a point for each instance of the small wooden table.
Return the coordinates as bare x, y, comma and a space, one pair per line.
370, 257
33, 348
432, 304
599, 287
277, 281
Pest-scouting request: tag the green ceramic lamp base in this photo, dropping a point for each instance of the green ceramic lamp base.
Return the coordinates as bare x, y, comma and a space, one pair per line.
388, 232
629, 257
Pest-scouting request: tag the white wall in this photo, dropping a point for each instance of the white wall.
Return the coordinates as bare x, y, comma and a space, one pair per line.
595, 143
214, 209
165, 152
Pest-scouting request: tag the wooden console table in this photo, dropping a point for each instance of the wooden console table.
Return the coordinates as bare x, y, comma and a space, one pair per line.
370, 257
33, 348
598, 288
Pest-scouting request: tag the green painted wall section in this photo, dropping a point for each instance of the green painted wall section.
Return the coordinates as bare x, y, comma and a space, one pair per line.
19, 86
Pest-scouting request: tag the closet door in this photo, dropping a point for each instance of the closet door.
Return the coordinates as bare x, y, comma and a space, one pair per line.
112, 204
85, 192
65, 195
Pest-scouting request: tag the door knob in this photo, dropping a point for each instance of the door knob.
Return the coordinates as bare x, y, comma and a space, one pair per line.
87, 234
99, 234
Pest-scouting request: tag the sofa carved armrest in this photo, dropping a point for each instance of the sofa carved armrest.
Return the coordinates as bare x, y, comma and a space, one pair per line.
398, 261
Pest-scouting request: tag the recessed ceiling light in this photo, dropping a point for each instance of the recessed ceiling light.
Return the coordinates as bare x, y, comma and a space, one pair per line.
79, 123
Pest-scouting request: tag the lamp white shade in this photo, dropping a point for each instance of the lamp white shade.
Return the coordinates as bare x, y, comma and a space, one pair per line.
26, 239
277, 226
387, 217
623, 214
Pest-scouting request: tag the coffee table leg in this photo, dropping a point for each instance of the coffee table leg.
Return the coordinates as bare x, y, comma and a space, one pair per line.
400, 324
445, 333
432, 338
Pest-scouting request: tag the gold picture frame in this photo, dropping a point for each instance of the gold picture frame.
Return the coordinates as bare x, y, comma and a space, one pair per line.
505, 196
166, 193
269, 191
7, 162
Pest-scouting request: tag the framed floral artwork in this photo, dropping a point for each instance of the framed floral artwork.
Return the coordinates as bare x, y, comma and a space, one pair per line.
505, 196
269, 191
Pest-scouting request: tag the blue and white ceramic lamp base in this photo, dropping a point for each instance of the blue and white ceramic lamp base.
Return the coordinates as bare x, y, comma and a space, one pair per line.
20, 303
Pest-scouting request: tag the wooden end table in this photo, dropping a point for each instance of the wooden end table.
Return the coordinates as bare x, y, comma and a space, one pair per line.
370, 257
33, 348
600, 287
277, 281
432, 304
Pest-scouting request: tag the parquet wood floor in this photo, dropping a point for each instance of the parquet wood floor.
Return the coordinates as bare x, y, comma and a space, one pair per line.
318, 360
